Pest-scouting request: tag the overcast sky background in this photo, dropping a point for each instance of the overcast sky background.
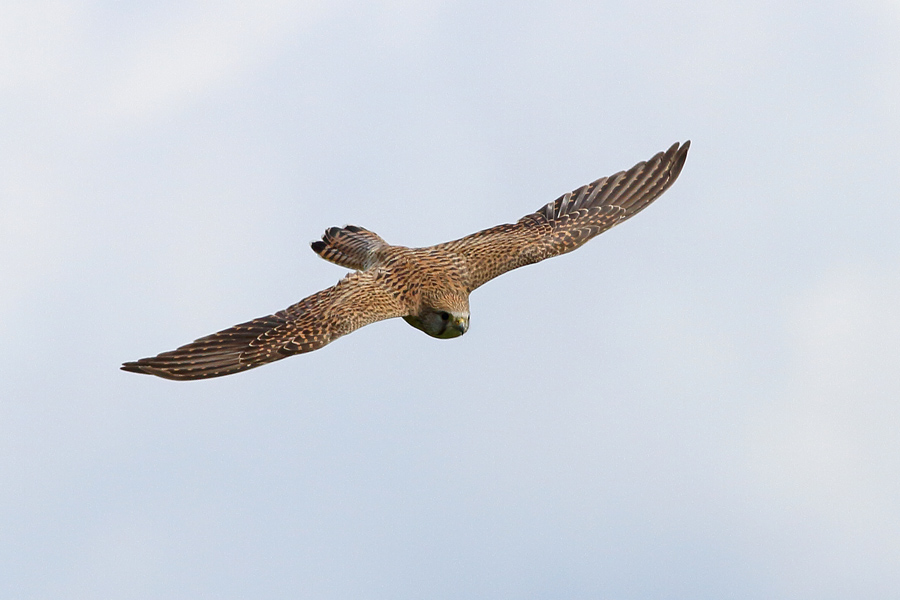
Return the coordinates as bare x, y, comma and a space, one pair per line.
701, 403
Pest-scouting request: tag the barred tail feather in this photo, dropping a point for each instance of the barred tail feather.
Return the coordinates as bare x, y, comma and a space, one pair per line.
351, 246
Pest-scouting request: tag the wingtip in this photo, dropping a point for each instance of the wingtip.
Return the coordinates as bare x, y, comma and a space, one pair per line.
679, 148
133, 367
142, 369
679, 159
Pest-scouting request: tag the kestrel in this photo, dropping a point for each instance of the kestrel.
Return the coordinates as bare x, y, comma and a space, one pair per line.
428, 287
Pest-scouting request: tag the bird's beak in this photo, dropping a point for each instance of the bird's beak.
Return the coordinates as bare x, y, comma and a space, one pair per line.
462, 323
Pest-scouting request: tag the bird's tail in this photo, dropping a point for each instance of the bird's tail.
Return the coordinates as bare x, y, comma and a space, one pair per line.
351, 246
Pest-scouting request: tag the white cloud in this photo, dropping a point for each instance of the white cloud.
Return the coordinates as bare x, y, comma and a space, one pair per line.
827, 449
207, 47
116, 68
847, 336
35, 38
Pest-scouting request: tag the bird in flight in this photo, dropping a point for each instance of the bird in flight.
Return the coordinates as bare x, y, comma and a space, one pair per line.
428, 287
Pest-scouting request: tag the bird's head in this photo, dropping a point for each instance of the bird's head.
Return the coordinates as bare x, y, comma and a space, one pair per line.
444, 317
441, 324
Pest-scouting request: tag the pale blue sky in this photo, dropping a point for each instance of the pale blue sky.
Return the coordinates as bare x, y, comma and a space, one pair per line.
702, 403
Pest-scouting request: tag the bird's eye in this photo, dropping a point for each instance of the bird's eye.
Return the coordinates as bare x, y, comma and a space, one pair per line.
445, 316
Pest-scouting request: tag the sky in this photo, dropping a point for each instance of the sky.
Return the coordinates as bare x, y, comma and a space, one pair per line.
701, 403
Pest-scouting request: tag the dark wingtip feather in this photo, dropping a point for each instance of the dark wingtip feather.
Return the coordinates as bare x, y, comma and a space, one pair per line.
680, 158
229, 351
145, 369
136, 367
632, 189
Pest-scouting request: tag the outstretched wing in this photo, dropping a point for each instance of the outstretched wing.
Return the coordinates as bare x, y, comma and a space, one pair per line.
571, 220
356, 300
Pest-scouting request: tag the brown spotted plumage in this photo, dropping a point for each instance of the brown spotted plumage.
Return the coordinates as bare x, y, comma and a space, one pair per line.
428, 287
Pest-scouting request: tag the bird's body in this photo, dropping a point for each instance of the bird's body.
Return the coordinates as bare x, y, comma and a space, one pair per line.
427, 287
